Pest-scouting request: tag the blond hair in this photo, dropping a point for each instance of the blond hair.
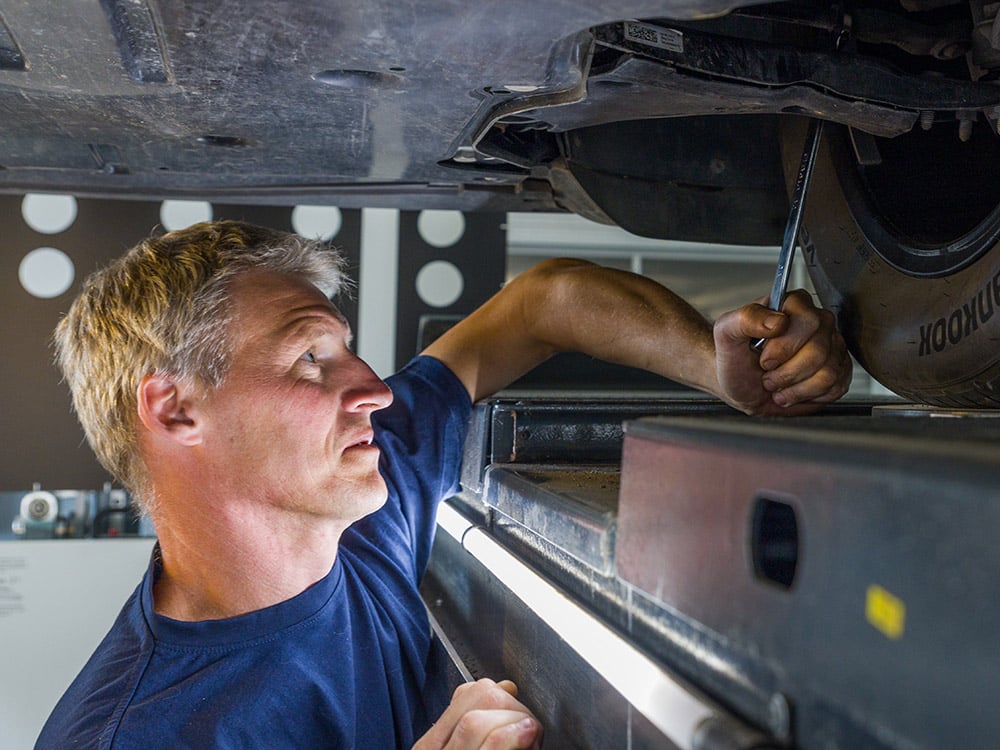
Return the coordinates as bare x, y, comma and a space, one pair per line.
163, 307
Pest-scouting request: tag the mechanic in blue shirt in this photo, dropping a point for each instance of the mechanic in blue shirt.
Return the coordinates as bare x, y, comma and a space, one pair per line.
294, 493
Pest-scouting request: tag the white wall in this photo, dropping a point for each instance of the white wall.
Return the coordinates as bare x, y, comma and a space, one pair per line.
57, 600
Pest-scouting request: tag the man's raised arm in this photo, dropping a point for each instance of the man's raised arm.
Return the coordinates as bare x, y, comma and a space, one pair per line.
571, 305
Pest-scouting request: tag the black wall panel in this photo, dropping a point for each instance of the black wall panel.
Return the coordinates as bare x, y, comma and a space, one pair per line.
480, 256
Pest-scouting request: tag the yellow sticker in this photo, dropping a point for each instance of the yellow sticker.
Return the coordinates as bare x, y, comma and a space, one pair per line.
885, 612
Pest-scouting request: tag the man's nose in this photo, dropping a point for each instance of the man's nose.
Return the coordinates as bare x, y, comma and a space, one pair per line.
367, 390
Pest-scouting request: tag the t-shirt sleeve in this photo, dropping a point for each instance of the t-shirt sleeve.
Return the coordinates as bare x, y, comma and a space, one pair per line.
422, 437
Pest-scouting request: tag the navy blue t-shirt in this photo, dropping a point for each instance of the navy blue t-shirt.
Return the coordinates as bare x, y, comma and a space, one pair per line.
345, 664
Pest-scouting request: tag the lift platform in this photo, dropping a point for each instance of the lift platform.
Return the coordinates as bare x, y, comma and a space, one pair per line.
668, 573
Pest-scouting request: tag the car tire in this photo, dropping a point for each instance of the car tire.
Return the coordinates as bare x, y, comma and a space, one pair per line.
903, 245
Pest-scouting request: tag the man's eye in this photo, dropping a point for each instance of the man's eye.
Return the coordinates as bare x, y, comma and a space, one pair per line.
309, 356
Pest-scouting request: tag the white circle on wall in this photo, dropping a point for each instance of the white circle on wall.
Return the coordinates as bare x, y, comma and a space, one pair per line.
441, 228
316, 222
440, 283
48, 214
182, 214
46, 272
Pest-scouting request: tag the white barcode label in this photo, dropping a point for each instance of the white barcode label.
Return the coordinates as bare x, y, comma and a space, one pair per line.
654, 36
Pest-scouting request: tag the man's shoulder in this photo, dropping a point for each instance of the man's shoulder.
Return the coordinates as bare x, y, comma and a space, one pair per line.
428, 375
87, 711
428, 400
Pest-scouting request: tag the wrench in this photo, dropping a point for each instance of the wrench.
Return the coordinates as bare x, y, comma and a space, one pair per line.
794, 223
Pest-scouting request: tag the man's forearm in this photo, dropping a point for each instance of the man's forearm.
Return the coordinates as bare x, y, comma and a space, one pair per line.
624, 318
571, 305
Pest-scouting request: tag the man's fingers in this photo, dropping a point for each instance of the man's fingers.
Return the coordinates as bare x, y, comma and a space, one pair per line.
825, 385
484, 714
816, 374
495, 729
508, 687
810, 349
805, 323
749, 323
821, 354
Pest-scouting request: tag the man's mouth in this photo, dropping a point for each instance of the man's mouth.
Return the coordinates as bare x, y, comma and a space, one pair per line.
366, 440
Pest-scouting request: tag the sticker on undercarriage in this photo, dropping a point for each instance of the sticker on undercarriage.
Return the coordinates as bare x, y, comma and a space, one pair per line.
654, 36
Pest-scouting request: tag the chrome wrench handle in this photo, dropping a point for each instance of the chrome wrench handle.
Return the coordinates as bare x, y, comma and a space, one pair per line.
794, 224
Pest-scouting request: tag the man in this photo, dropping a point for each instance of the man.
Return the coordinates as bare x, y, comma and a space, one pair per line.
294, 493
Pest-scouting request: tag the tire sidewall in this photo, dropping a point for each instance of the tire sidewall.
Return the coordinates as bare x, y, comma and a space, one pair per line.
934, 340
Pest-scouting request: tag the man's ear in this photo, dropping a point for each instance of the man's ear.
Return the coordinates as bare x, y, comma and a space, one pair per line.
166, 409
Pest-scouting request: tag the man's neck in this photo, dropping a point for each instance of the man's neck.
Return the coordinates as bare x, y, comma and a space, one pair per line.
233, 562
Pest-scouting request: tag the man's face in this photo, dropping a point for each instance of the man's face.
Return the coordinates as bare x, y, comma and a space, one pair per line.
290, 428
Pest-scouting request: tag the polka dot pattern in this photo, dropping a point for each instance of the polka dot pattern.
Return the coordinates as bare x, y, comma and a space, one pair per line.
440, 283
